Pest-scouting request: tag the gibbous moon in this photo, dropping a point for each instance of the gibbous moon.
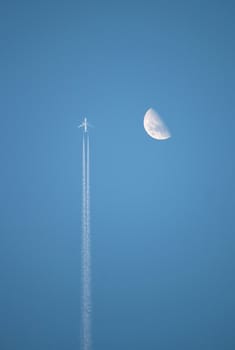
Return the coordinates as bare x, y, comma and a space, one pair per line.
154, 125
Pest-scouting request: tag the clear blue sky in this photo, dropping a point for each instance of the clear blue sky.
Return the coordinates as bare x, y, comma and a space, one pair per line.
163, 228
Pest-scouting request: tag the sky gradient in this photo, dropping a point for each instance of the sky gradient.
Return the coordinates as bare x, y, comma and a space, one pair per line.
162, 213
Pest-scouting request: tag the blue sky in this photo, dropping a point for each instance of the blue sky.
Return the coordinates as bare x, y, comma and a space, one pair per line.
162, 212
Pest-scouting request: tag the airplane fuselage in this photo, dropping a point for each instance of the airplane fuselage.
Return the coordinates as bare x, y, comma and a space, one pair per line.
84, 125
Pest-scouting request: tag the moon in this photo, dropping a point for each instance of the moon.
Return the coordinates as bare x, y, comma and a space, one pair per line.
154, 125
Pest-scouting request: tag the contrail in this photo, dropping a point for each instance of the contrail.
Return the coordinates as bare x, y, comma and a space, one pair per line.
86, 254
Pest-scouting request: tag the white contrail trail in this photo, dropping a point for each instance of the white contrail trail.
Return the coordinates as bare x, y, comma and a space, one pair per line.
86, 255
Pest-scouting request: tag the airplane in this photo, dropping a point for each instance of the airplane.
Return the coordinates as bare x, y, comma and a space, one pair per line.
84, 125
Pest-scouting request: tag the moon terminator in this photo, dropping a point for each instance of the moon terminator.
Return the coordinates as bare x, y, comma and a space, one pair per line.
154, 125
